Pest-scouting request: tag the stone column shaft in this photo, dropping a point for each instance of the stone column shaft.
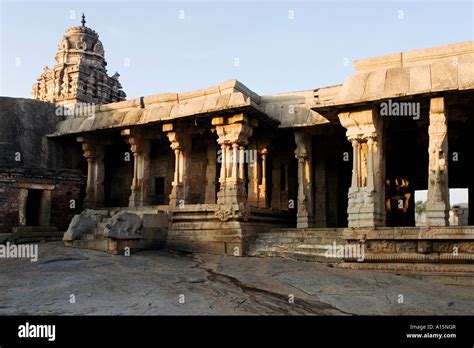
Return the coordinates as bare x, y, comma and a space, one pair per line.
94, 154
305, 214
437, 206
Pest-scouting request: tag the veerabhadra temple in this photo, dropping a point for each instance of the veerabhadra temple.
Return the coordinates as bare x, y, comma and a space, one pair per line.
225, 170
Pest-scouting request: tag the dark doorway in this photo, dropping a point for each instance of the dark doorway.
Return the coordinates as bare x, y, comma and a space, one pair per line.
159, 195
33, 203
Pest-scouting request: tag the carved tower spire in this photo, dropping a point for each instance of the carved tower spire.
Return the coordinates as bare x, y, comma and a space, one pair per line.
80, 74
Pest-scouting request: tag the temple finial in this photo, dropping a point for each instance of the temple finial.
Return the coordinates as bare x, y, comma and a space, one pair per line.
83, 20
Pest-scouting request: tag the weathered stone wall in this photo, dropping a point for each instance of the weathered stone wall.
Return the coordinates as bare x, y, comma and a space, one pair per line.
8, 207
29, 158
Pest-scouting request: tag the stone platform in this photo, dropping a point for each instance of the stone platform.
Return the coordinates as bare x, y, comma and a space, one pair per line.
220, 229
153, 229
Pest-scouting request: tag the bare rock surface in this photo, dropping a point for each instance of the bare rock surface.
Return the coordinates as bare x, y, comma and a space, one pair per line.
170, 283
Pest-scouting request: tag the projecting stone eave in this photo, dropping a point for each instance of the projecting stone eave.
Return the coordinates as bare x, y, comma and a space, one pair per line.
228, 97
293, 109
130, 117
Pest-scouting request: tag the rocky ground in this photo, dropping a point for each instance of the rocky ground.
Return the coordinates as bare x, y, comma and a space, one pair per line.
170, 283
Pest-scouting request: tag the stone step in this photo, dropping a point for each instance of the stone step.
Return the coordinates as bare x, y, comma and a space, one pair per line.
317, 248
307, 240
314, 257
300, 235
96, 244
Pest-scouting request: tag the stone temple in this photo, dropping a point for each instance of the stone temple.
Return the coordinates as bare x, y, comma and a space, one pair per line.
225, 170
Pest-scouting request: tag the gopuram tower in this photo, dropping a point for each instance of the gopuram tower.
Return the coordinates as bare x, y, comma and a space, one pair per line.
80, 74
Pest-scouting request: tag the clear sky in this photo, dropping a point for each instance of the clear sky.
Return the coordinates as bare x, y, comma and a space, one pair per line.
170, 46
271, 46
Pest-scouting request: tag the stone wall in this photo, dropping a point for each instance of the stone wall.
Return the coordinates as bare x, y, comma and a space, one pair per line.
30, 160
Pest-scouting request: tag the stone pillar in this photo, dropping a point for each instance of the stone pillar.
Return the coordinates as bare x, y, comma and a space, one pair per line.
470, 199
210, 197
22, 198
262, 188
233, 135
253, 177
94, 153
437, 205
242, 163
180, 141
367, 192
45, 208
305, 214
140, 188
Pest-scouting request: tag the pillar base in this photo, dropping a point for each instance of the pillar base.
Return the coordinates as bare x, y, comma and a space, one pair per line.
437, 215
362, 210
231, 193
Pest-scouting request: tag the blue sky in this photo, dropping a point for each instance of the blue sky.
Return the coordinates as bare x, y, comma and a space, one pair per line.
171, 46
280, 46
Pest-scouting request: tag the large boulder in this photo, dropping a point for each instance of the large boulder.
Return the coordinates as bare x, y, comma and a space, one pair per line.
82, 223
124, 225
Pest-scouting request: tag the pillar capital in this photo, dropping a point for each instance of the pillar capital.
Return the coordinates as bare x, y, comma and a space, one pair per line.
92, 147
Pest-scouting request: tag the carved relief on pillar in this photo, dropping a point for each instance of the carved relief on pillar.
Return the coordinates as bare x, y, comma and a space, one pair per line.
366, 205
437, 207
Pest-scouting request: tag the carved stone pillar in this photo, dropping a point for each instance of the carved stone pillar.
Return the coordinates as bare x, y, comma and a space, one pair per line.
180, 141
210, 196
253, 177
437, 206
94, 153
140, 188
233, 135
305, 214
262, 188
367, 192
470, 214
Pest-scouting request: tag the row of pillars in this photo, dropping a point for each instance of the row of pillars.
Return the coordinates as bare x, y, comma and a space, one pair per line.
366, 206
233, 138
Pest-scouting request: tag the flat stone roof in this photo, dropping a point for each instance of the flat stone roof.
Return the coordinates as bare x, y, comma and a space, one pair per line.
289, 110
424, 71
